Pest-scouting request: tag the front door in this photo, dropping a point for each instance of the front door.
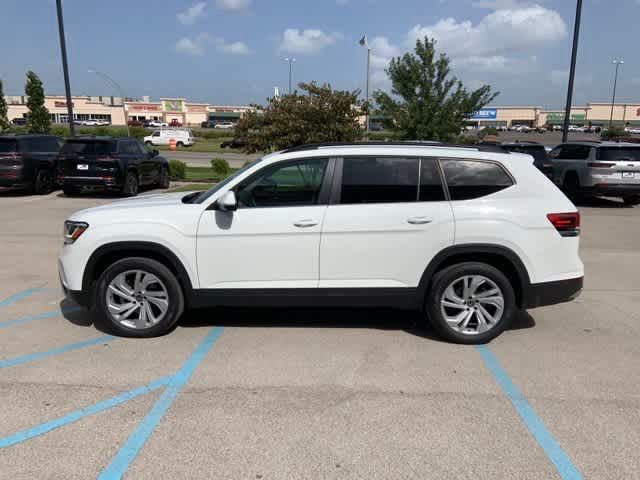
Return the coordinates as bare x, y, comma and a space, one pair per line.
273, 239
389, 220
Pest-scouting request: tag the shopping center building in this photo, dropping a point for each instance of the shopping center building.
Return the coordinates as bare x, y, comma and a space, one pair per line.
115, 109
625, 114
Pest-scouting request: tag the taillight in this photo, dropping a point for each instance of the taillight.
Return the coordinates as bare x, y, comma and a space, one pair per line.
601, 164
567, 224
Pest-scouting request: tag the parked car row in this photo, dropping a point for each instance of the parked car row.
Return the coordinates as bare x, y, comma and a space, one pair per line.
218, 125
42, 163
92, 122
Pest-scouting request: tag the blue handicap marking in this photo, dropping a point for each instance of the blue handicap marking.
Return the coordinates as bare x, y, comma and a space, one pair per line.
37, 316
16, 297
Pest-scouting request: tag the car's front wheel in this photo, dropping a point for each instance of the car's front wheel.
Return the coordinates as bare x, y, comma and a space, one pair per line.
138, 297
470, 303
130, 187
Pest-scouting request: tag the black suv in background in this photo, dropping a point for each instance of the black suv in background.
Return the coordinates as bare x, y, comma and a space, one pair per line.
28, 162
115, 164
536, 150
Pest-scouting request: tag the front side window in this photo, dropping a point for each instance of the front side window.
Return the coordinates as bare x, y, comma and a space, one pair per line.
469, 179
291, 184
379, 180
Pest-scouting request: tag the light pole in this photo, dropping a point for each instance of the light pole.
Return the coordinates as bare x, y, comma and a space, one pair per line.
572, 71
617, 63
120, 92
290, 61
65, 67
365, 43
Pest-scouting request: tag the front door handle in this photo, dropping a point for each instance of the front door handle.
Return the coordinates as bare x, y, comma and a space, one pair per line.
305, 223
418, 220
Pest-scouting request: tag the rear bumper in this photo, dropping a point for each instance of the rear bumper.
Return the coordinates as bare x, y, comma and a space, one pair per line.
615, 189
95, 182
551, 293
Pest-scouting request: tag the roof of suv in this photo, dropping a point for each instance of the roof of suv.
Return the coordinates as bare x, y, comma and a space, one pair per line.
103, 138
433, 144
603, 143
25, 135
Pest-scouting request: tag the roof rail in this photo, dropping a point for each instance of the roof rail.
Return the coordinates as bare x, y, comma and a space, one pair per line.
478, 147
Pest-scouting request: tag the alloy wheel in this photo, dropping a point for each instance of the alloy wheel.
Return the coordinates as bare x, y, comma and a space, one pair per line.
472, 304
137, 299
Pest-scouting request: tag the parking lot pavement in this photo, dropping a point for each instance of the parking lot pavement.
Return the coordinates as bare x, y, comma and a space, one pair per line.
246, 393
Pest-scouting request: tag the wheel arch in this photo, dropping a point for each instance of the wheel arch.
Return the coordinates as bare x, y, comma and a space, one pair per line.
109, 253
503, 258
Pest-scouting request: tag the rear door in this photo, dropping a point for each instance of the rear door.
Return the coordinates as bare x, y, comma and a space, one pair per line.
570, 158
388, 218
617, 165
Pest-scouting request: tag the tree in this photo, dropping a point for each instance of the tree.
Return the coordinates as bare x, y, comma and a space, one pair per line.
427, 102
4, 120
38, 119
319, 114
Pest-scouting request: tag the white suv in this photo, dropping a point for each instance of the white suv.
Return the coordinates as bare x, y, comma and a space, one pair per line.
467, 235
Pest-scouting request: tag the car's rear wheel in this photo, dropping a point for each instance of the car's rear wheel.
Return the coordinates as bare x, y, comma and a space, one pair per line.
138, 297
148, 143
130, 187
180, 144
44, 182
470, 303
632, 200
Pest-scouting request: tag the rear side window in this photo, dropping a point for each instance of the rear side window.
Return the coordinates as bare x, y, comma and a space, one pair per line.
87, 147
128, 147
379, 180
469, 179
8, 145
619, 153
574, 152
42, 144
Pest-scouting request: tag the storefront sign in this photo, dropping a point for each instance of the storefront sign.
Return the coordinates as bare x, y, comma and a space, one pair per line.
485, 114
173, 105
152, 107
559, 117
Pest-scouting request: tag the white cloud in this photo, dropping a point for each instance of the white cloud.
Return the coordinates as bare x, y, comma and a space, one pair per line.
493, 63
193, 46
501, 31
560, 78
234, 48
191, 14
306, 41
233, 5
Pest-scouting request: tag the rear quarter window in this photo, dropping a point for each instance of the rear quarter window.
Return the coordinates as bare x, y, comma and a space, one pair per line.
8, 145
619, 153
468, 179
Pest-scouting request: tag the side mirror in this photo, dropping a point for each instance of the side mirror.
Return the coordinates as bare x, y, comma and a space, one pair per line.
227, 203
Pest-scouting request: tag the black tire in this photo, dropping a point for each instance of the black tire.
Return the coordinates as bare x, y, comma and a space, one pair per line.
164, 181
571, 187
444, 278
44, 182
148, 143
175, 298
130, 187
70, 191
631, 200
179, 144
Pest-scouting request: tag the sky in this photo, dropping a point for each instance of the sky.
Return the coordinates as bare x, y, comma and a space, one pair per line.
232, 51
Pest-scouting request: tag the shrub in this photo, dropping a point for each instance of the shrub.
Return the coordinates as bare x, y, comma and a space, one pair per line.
382, 136
613, 133
220, 167
488, 131
210, 133
177, 170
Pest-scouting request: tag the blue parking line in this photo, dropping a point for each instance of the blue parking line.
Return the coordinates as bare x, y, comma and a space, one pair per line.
128, 452
72, 417
560, 460
38, 316
16, 297
11, 362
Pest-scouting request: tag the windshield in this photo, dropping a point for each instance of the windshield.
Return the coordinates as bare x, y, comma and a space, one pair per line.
8, 145
89, 147
619, 153
205, 195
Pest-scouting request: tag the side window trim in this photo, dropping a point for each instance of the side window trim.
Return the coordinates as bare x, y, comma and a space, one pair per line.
443, 178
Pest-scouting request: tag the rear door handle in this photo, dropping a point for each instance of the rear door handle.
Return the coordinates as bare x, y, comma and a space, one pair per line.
305, 223
418, 220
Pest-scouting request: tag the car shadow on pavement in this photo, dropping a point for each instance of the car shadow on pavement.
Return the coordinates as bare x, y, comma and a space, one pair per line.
600, 202
411, 322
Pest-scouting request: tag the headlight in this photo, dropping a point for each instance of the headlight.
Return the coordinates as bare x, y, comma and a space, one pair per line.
73, 230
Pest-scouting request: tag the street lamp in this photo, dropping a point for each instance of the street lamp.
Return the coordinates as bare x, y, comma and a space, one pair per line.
365, 43
290, 61
120, 92
617, 63
572, 71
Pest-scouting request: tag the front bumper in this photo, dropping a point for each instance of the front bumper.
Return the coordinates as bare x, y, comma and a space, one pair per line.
77, 296
551, 293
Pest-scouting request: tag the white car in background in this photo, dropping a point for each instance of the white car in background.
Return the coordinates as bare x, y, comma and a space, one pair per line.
225, 125
633, 130
157, 123
182, 136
